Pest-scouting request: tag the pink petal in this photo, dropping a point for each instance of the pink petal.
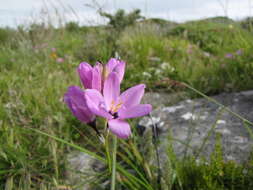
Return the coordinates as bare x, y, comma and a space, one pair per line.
112, 63
96, 79
120, 69
76, 102
85, 73
135, 111
96, 104
120, 128
116, 65
59, 60
99, 66
111, 89
132, 96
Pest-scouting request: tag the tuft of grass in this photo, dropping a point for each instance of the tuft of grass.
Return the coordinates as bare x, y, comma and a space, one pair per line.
216, 38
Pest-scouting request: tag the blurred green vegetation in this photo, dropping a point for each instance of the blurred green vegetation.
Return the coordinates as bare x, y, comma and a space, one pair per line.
38, 63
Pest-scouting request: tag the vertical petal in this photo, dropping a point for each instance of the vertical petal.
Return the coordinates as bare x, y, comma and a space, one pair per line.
96, 104
111, 89
120, 128
135, 111
116, 65
120, 69
85, 73
96, 78
112, 63
75, 100
132, 96
99, 66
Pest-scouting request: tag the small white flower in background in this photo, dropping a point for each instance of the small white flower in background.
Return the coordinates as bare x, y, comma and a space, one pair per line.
206, 54
146, 74
230, 26
158, 71
167, 66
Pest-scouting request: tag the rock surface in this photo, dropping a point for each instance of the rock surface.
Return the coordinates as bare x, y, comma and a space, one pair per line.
162, 99
194, 124
81, 168
189, 123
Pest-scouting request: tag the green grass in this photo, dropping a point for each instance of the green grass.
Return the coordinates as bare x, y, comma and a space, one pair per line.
32, 85
193, 52
215, 174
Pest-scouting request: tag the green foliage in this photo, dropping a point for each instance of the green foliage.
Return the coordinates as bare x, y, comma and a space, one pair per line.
154, 58
204, 176
159, 21
4, 35
219, 19
33, 83
72, 26
213, 174
247, 23
96, 43
120, 20
215, 38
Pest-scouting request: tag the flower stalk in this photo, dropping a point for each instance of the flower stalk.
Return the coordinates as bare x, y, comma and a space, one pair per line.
114, 160
155, 141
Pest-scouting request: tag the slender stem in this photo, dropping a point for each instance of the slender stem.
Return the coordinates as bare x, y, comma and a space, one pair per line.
107, 150
107, 147
154, 140
114, 158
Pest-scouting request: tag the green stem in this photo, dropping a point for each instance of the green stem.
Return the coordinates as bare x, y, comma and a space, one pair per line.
114, 152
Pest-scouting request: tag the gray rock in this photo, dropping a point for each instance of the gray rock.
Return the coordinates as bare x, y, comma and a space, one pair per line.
80, 168
162, 99
189, 123
192, 126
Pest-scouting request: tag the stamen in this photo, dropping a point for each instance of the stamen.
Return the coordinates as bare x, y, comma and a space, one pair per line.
112, 105
116, 108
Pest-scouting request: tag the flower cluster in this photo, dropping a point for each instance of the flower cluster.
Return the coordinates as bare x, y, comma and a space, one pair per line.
102, 97
54, 56
239, 52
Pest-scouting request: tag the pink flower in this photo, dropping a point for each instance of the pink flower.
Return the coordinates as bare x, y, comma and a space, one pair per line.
60, 60
91, 77
94, 77
114, 65
116, 107
229, 56
239, 52
75, 100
